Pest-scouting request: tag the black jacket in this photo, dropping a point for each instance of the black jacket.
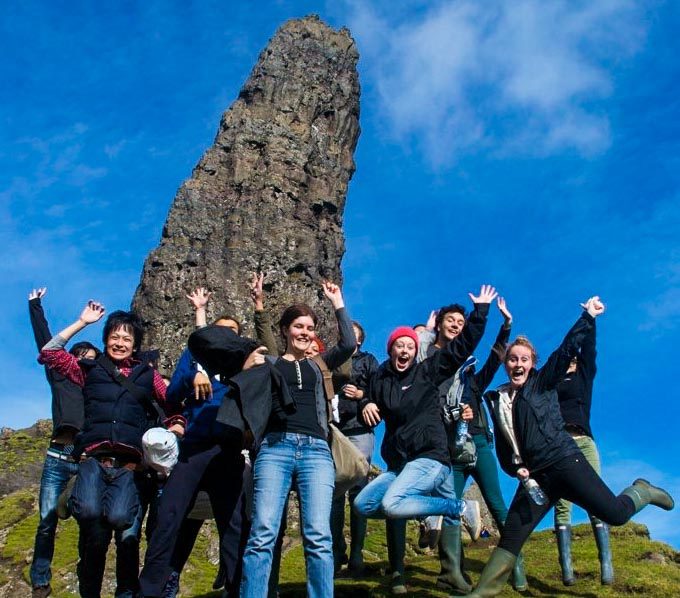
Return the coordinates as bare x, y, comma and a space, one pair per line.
364, 365
537, 421
67, 397
409, 401
111, 413
575, 391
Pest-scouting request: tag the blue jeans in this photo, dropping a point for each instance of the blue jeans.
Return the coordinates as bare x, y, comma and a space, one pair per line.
56, 474
423, 487
282, 459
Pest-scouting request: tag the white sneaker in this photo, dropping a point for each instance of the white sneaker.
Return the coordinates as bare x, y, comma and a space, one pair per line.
430, 530
472, 519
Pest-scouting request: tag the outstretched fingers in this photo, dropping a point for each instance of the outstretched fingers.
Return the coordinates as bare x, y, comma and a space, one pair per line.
487, 294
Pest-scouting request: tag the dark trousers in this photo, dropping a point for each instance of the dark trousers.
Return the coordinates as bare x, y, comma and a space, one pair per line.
574, 479
485, 473
218, 471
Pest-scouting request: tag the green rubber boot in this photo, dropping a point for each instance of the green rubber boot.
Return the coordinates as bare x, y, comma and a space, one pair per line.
642, 493
395, 532
495, 574
601, 531
451, 576
519, 578
563, 533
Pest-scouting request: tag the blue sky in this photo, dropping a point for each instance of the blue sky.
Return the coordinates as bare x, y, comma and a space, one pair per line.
530, 145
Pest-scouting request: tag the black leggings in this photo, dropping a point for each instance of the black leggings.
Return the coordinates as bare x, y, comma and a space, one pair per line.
574, 479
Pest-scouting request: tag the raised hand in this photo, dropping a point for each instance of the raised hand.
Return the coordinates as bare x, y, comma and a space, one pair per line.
37, 293
486, 295
431, 321
333, 292
594, 306
503, 308
371, 414
199, 297
256, 293
202, 387
257, 357
92, 313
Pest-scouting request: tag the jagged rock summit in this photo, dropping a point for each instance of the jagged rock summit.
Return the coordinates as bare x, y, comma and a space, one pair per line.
269, 194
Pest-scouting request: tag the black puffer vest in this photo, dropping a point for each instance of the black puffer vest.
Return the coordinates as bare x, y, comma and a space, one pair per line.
111, 412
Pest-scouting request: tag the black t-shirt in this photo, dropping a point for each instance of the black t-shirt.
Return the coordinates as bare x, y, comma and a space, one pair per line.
300, 377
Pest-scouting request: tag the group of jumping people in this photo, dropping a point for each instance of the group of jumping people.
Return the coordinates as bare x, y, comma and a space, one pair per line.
253, 423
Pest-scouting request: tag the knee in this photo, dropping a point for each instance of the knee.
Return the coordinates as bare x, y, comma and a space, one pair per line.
390, 506
84, 510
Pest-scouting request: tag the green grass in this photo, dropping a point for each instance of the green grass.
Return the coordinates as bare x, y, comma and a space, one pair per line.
636, 574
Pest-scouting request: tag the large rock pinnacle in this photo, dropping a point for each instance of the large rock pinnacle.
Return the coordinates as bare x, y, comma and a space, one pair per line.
268, 195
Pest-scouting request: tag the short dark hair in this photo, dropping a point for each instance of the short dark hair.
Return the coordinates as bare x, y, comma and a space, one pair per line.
292, 313
79, 349
362, 332
128, 321
447, 309
229, 317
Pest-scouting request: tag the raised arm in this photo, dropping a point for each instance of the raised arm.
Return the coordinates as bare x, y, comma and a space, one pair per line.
587, 356
199, 298
445, 362
347, 342
552, 373
53, 354
426, 337
41, 330
486, 373
263, 324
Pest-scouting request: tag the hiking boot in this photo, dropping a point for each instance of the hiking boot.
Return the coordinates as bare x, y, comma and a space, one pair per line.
430, 530
171, 588
472, 519
397, 584
41, 591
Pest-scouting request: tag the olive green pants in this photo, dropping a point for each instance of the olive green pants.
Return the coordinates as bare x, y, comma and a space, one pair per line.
589, 450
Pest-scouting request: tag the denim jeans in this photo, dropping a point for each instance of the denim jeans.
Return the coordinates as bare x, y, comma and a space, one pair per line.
108, 493
357, 523
56, 474
423, 487
285, 458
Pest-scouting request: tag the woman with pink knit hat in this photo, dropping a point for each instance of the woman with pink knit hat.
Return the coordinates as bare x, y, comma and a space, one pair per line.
404, 394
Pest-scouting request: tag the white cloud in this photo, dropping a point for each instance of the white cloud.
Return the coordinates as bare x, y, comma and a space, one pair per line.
524, 75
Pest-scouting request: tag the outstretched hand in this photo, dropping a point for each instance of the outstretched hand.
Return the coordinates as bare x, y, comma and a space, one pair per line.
594, 306
257, 357
333, 292
199, 297
256, 292
486, 295
92, 313
37, 293
503, 308
432, 320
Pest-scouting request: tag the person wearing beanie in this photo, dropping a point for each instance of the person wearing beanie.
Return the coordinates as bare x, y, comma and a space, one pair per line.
404, 394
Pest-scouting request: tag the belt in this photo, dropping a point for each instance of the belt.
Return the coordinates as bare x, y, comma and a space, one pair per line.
60, 456
115, 462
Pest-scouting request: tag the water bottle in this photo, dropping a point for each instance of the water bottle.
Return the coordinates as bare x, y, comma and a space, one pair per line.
535, 491
461, 433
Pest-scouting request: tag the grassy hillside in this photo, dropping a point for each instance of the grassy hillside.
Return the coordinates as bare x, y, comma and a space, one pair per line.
642, 567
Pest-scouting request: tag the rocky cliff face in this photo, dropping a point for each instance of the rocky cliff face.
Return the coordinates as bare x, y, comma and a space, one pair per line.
268, 195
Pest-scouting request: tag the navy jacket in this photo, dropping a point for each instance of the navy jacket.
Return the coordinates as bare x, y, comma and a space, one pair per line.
111, 412
200, 415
